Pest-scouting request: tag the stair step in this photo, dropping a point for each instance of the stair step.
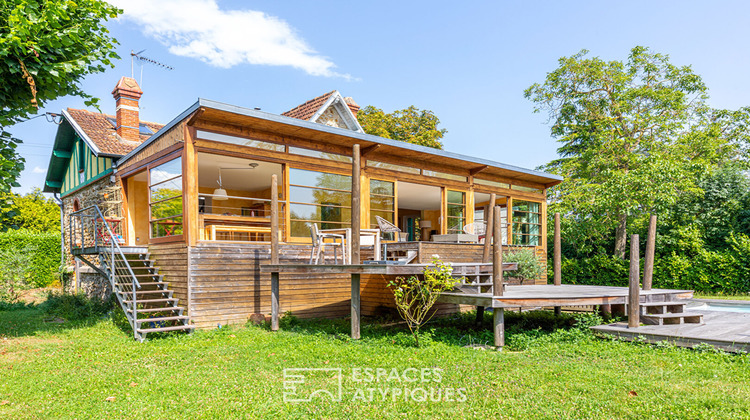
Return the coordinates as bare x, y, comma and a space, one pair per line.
144, 301
146, 292
165, 329
165, 309
154, 283
162, 319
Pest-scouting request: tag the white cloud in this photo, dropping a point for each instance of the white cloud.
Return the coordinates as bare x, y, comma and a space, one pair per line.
39, 170
224, 38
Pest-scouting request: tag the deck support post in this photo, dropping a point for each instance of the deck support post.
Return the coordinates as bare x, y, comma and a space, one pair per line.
634, 286
274, 219
354, 258
498, 322
648, 263
355, 306
498, 314
557, 258
489, 217
275, 301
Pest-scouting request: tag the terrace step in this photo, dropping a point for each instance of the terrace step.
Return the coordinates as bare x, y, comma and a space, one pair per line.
672, 318
655, 308
145, 292
165, 329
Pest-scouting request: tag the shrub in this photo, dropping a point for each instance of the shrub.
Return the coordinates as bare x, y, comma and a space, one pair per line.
529, 267
75, 307
414, 296
44, 262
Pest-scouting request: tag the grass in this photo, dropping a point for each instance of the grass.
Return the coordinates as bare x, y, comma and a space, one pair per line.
719, 296
551, 368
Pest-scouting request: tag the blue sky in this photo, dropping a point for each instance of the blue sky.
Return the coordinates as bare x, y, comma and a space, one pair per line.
469, 62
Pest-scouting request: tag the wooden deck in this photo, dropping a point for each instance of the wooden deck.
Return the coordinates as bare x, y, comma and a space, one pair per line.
546, 295
729, 331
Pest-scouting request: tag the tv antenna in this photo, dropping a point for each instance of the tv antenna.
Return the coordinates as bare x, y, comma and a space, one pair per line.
137, 56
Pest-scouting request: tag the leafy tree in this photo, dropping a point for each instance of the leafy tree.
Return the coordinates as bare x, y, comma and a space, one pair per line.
33, 212
47, 47
411, 125
635, 135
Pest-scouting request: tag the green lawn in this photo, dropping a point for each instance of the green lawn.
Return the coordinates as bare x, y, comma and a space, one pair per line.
69, 370
725, 297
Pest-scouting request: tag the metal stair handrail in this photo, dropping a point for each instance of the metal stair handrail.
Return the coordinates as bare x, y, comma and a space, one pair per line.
113, 251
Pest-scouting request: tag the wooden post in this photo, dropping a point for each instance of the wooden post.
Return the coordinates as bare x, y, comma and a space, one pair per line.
498, 314
356, 211
489, 217
634, 286
648, 264
274, 219
557, 259
274, 301
498, 318
488, 229
355, 306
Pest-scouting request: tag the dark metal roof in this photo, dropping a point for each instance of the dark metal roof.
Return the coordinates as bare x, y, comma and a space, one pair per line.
206, 103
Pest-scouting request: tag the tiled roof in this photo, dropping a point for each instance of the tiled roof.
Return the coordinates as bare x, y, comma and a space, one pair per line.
98, 128
309, 108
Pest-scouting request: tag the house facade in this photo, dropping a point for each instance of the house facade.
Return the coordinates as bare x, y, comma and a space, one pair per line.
194, 197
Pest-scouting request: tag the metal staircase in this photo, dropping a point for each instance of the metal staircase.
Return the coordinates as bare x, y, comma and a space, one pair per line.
145, 298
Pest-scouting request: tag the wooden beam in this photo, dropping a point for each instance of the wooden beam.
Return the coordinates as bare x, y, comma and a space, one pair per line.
64, 154
367, 150
498, 323
634, 297
557, 258
355, 306
274, 219
197, 114
489, 227
190, 219
478, 169
648, 264
497, 255
275, 301
354, 258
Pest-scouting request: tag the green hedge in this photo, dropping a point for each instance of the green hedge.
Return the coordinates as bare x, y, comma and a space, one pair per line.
726, 271
46, 252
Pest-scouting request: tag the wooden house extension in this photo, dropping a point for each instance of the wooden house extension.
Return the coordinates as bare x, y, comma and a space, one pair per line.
194, 202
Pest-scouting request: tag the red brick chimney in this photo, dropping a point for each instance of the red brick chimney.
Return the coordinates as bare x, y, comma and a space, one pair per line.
126, 94
352, 105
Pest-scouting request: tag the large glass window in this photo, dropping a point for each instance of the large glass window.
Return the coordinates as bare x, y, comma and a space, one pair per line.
456, 211
382, 201
527, 223
165, 199
319, 197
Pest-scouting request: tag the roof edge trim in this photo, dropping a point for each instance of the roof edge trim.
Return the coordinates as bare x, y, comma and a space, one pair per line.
82, 134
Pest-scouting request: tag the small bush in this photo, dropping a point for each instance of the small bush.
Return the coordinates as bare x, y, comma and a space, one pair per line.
75, 307
15, 273
529, 267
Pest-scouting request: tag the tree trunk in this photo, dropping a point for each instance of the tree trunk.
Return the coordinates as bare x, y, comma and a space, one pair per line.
621, 239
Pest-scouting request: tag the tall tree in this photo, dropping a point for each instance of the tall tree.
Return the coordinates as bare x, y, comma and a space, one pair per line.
411, 125
33, 212
47, 47
633, 136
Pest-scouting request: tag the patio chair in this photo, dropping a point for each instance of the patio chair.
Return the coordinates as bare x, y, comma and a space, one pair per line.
476, 228
388, 227
319, 243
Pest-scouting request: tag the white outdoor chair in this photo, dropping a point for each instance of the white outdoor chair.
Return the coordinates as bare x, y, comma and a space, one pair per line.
319, 243
388, 227
476, 228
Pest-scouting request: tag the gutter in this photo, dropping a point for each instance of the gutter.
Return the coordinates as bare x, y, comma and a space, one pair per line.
59, 202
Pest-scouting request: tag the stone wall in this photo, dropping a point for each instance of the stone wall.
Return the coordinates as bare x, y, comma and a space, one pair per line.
108, 196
